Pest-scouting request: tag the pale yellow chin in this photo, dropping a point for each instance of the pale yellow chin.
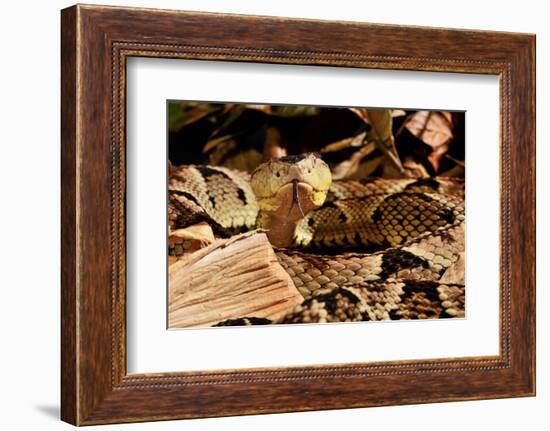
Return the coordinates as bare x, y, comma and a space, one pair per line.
281, 204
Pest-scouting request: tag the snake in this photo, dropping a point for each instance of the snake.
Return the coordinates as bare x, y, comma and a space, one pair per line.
356, 250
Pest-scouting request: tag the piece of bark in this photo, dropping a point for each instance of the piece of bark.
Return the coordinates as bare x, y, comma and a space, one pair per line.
229, 279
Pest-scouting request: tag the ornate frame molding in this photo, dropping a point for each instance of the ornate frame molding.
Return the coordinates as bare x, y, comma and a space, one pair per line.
96, 41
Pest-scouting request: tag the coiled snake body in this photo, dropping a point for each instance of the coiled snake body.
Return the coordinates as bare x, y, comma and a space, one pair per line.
412, 228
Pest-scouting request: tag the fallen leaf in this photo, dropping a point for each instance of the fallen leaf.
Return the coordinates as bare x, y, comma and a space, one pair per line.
245, 160
181, 115
414, 169
455, 172
221, 141
266, 109
434, 129
367, 166
294, 111
353, 141
381, 121
273, 144
361, 113
348, 168
234, 111
397, 113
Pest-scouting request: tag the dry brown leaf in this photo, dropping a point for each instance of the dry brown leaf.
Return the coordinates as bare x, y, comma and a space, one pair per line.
361, 113
455, 161
367, 167
348, 168
434, 129
246, 160
414, 169
353, 141
233, 113
273, 144
192, 112
294, 110
216, 142
397, 113
455, 172
381, 122
262, 108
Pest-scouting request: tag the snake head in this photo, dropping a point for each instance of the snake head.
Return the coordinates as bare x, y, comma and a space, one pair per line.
291, 186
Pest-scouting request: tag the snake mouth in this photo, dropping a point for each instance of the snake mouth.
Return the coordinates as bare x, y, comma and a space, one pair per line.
292, 201
295, 198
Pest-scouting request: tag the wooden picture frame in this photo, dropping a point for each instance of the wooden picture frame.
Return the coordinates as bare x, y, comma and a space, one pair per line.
95, 43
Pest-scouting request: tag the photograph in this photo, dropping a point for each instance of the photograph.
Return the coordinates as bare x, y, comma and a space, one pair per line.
285, 214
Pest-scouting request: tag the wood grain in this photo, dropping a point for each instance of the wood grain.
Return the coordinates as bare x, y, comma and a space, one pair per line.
231, 278
69, 395
96, 41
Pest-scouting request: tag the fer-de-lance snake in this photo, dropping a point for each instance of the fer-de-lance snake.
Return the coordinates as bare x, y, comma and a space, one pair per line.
356, 250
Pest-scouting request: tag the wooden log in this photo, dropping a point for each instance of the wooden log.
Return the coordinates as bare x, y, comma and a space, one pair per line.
229, 279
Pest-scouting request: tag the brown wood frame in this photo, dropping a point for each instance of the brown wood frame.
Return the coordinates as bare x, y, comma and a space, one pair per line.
95, 43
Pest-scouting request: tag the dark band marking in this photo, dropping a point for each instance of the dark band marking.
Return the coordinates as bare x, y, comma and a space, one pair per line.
185, 195
394, 261
447, 214
293, 158
365, 316
421, 196
330, 301
342, 218
377, 214
207, 172
186, 217
368, 180
426, 289
421, 286
241, 195
330, 205
245, 321
424, 182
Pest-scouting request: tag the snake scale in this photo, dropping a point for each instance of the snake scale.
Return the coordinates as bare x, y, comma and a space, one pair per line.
373, 249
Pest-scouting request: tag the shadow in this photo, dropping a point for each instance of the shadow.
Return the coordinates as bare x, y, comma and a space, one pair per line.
49, 410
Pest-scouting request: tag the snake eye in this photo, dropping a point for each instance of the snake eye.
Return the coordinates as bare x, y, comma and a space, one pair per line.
278, 174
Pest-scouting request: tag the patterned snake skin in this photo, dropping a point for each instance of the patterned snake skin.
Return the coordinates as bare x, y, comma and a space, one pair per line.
415, 229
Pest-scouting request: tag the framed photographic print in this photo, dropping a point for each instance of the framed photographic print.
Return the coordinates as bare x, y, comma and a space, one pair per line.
253, 205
